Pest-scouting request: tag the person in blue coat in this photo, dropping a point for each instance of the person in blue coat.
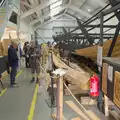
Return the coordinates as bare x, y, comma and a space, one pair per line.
13, 61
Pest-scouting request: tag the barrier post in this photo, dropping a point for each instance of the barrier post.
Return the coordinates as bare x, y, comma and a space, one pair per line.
60, 98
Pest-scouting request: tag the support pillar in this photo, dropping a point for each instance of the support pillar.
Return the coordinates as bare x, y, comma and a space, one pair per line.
60, 98
99, 62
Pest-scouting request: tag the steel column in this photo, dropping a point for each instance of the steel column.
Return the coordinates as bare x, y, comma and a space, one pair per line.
113, 9
84, 31
101, 28
100, 101
114, 40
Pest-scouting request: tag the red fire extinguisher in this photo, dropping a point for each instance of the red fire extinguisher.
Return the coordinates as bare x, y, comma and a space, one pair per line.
94, 86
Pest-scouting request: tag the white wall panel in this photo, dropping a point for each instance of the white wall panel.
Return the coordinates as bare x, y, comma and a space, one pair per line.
26, 29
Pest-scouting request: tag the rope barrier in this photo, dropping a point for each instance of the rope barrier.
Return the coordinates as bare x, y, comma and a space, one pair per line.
84, 110
56, 77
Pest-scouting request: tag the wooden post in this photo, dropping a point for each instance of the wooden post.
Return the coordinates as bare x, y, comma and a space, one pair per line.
106, 105
60, 98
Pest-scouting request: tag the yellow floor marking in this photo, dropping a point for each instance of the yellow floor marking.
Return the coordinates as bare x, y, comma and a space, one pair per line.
19, 73
32, 108
3, 91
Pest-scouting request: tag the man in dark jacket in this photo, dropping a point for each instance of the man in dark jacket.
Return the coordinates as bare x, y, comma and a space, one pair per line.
13, 61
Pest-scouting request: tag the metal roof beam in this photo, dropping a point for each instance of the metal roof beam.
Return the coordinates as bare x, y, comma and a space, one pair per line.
84, 31
101, 3
37, 8
88, 26
26, 4
67, 6
51, 20
41, 18
80, 11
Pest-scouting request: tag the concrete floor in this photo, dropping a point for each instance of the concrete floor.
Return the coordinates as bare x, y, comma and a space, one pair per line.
15, 103
42, 110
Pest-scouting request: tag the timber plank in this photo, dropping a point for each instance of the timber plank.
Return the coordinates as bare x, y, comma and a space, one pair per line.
114, 114
73, 106
92, 115
77, 118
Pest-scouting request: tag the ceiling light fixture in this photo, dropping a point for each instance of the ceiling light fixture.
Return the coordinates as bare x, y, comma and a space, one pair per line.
89, 10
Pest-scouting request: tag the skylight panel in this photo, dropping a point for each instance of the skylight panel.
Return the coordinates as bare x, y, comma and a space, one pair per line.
56, 4
55, 11
53, 1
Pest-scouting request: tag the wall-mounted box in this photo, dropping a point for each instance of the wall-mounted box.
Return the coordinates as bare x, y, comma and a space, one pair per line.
111, 79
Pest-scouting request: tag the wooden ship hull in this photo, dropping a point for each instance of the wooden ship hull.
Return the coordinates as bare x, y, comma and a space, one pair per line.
91, 52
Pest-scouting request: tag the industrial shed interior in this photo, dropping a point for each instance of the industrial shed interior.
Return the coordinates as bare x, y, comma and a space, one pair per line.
76, 71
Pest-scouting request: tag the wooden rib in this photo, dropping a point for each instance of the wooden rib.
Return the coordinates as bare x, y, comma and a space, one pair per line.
91, 52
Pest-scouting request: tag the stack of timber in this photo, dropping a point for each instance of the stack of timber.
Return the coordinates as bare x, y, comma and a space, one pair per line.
91, 52
80, 79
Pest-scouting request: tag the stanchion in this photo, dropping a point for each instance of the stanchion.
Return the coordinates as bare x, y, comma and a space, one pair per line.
52, 92
59, 99
52, 101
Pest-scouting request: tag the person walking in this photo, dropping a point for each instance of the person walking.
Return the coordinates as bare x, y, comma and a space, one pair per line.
34, 53
26, 49
13, 61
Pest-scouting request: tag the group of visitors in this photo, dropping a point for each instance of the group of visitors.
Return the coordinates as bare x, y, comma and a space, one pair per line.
35, 55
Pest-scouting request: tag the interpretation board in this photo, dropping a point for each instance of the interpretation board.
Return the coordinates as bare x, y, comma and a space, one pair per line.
104, 77
117, 89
